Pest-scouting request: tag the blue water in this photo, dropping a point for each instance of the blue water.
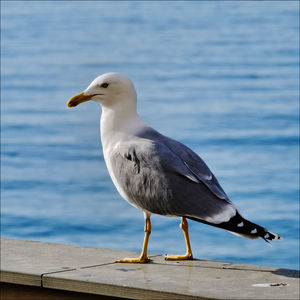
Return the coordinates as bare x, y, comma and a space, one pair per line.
221, 77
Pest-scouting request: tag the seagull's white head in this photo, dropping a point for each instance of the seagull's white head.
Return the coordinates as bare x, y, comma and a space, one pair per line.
109, 89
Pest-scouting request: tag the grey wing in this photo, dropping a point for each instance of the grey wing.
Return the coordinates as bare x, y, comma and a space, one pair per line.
154, 178
197, 166
191, 160
143, 174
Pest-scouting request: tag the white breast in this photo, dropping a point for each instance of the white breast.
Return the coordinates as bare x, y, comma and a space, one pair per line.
115, 129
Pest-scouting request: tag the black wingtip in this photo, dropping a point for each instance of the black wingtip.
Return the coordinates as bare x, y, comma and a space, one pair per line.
240, 226
271, 236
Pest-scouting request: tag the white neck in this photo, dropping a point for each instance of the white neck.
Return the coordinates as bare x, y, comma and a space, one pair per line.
118, 122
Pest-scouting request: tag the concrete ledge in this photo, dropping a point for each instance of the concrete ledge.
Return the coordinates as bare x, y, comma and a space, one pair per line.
55, 268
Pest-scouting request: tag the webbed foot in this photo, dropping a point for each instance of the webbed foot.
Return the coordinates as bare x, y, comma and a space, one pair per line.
141, 260
188, 256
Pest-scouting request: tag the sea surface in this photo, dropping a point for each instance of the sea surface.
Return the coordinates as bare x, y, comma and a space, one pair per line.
220, 76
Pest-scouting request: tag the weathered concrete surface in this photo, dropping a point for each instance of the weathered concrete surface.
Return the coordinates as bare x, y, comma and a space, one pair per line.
91, 270
24, 262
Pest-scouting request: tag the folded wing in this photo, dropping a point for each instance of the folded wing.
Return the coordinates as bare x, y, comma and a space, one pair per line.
162, 176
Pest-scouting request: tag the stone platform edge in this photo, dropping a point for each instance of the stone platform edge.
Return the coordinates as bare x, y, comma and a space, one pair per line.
69, 272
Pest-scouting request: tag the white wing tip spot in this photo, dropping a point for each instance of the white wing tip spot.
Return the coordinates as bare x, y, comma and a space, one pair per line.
277, 237
240, 224
254, 230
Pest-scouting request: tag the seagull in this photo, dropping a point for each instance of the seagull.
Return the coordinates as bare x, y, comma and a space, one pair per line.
157, 174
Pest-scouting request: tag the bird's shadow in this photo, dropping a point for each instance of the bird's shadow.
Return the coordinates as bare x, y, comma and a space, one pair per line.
287, 273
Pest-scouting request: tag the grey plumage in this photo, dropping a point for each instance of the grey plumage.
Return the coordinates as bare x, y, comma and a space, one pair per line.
165, 177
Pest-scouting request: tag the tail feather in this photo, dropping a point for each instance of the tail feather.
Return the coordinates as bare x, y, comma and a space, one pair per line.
242, 227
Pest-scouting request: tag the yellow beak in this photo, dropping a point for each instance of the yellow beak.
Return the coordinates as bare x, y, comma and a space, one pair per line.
74, 101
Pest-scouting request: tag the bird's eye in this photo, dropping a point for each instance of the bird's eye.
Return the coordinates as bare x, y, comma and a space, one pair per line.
104, 85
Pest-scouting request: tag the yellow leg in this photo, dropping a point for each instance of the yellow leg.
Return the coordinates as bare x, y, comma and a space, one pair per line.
143, 257
189, 255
